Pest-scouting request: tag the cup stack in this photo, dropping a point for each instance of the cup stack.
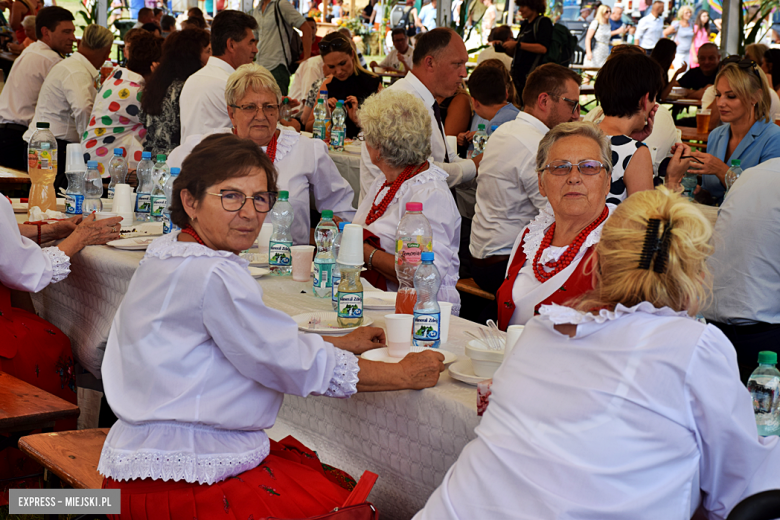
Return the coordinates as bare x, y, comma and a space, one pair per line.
351, 252
124, 203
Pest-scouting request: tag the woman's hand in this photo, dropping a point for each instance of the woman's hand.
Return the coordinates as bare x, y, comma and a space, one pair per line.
91, 232
677, 167
589, 56
351, 106
362, 339
464, 138
644, 133
332, 103
416, 371
708, 165
422, 369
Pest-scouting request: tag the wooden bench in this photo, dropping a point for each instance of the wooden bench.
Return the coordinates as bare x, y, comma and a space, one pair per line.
71, 456
469, 286
24, 407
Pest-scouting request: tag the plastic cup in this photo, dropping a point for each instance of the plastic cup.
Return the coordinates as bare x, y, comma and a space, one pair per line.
264, 238
444, 323
101, 215
351, 252
74, 158
302, 257
513, 333
123, 199
399, 334
452, 143
703, 120
777, 120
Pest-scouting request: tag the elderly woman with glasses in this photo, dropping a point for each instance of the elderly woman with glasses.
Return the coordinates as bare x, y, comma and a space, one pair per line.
253, 99
742, 95
347, 80
196, 365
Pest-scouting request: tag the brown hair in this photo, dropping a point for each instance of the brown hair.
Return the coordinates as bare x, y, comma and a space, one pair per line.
491, 84
548, 79
147, 49
217, 158
538, 6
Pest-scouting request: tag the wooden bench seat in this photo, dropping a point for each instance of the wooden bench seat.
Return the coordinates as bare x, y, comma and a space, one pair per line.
469, 286
72, 456
24, 407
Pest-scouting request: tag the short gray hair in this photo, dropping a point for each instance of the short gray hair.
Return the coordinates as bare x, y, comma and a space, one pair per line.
97, 37
250, 77
29, 22
398, 125
577, 128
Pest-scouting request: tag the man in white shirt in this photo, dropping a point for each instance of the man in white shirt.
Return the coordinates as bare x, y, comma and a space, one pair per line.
145, 15
508, 195
650, 29
496, 39
202, 103
400, 58
439, 68
68, 93
56, 35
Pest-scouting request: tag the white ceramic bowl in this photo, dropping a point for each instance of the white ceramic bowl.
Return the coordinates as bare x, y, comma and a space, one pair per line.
484, 361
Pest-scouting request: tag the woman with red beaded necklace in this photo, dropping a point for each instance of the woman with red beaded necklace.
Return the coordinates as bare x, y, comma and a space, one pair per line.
397, 130
548, 263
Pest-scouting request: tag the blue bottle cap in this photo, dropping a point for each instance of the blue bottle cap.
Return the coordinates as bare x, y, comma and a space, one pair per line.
341, 101
175, 172
118, 151
146, 155
493, 128
92, 165
427, 256
342, 224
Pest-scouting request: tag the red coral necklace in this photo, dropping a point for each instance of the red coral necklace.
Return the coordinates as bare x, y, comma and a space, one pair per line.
194, 234
377, 210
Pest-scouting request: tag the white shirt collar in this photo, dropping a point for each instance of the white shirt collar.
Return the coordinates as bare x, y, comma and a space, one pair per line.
527, 118
421, 89
220, 64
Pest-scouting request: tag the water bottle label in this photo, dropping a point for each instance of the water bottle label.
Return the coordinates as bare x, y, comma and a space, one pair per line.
158, 205
425, 330
350, 304
168, 226
337, 139
279, 254
73, 204
322, 275
334, 290
111, 193
143, 203
319, 131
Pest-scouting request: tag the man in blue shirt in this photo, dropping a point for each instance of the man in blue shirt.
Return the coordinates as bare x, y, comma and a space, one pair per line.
488, 89
427, 17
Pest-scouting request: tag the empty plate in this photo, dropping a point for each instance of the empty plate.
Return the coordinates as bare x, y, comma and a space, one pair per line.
131, 244
377, 300
463, 371
383, 354
258, 272
325, 323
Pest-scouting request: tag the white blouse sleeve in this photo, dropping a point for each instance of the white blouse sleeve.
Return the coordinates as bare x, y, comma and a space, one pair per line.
735, 461
23, 265
264, 344
331, 190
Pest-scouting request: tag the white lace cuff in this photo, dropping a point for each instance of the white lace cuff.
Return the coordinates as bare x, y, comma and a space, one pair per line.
60, 263
345, 375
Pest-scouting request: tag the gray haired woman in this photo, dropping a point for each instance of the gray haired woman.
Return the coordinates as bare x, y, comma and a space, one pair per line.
397, 130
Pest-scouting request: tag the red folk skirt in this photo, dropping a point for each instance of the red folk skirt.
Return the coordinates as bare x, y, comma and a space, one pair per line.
289, 483
38, 353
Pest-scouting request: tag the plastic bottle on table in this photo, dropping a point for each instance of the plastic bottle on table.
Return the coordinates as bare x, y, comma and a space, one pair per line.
733, 174
413, 236
161, 170
324, 236
480, 139
93, 189
336, 272
42, 168
169, 226
117, 169
143, 200
320, 129
284, 111
279, 254
338, 130
160, 177
427, 314
74, 195
764, 387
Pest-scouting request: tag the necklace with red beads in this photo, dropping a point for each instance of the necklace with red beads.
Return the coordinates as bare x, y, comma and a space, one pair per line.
377, 210
568, 256
189, 230
270, 150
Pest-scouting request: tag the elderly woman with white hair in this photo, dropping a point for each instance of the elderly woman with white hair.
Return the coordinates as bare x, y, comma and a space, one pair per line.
253, 98
397, 130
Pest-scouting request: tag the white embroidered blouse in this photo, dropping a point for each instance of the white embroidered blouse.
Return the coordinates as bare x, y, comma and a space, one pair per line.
196, 367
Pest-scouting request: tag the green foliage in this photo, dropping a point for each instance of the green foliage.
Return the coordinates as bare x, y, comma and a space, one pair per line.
765, 8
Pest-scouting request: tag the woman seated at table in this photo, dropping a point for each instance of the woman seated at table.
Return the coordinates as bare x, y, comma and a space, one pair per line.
196, 365
620, 405
253, 98
549, 262
397, 130
32, 349
742, 96
708, 100
115, 121
348, 81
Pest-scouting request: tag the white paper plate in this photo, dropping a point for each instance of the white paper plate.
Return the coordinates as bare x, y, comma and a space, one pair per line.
463, 371
328, 323
259, 259
352, 148
258, 272
377, 300
383, 354
142, 229
131, 244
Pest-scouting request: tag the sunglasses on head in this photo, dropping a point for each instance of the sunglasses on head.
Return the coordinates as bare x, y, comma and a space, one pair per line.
334, 45
742, 63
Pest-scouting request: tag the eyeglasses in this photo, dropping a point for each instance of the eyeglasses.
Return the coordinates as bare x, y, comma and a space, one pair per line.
742, 63
586, 167
334, 45
575, 104
269, 109
234, 200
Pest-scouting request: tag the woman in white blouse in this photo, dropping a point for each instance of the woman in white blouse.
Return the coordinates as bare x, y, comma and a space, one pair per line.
253, 99
397, 130
196, 364
623, 405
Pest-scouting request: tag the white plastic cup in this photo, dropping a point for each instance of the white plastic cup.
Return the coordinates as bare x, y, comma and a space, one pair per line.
444, 323
123, 199
302, 257
513, 333
102, 215
351, 252
74, 158
264, 238
399, 334
452, 143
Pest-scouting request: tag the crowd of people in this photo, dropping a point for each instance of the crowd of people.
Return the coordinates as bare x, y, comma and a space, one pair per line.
578, 227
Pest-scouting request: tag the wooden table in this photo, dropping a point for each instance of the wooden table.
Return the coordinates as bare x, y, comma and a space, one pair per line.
583, 68
587, 90
683, 103
692, 137
393, 76
8, 56
26, 407
11, 176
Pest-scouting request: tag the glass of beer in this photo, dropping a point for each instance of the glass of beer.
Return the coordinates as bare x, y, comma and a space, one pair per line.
703, 120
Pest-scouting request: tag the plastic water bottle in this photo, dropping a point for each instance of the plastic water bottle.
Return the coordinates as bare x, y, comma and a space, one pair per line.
143, 200
764, 387
279, 254
42, 168
413, 236
492, 129
427, 314
93, 189
320, 129
480, 139
336, 272
733, 174
285, 112
338, 130
324, 236
161, 170
74, 195
169, 226
117, 169
689, 182
158, 201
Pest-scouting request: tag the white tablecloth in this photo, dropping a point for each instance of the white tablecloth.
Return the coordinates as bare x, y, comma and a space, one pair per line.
410, 438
